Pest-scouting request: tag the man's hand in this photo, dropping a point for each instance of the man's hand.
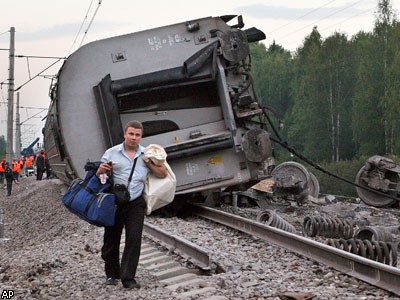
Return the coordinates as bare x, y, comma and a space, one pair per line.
158, 170
104, 168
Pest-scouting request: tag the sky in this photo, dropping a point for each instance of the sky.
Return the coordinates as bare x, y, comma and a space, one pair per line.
46, 30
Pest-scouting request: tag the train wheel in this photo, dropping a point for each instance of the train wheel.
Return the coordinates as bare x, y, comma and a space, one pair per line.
313, 186
369, 197
292, 168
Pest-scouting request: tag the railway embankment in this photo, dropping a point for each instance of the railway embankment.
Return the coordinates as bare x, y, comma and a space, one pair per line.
48, 253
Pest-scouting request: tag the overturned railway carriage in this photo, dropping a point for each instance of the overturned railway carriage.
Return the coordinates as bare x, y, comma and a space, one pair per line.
190, 85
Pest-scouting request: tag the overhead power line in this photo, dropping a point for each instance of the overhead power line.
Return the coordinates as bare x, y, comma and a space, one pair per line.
49, 57
80, 28
35, 115
347, 19
333, 25
27, 107
91, 21
35, 56
313, 23
306, 14
36, 75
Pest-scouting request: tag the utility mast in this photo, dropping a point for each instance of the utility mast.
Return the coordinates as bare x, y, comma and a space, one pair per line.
10, 119
17, 129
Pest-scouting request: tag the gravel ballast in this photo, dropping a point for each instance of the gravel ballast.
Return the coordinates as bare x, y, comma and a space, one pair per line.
48, 253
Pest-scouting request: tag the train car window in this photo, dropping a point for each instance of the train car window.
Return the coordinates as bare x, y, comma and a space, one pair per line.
157, 127
203, 94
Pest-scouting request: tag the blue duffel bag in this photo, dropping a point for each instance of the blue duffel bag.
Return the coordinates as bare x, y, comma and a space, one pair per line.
87, 199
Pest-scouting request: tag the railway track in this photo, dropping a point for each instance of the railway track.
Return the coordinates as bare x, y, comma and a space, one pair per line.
186, 282
48, 257
378, 274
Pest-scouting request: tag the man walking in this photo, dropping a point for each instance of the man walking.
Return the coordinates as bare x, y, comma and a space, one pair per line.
125, 157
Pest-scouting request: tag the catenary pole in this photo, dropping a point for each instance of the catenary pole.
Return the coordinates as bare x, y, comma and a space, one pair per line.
17, 129
9, 150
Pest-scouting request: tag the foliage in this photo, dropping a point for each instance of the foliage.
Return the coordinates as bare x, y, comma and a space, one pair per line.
308, 118
338, 97
367, 113
393, 96
272, 72
345, 169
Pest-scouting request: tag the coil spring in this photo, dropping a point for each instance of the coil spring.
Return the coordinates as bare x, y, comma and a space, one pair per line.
328, 227
373, 233
383, 252
270, 218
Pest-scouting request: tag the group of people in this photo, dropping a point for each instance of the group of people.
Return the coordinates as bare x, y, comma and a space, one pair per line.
12, 173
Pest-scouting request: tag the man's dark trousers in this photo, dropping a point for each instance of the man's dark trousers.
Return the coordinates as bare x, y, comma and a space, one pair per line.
132, 217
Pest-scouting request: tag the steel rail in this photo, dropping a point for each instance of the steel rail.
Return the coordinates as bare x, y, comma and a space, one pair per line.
383, 276
201, 256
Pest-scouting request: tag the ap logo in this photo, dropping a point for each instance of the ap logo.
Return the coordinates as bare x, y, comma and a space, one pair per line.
7, 294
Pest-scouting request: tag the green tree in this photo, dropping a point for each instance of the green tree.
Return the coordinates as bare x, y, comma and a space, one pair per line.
338, 86
258, 53
383, 31
393, 94
308, 130
375, 100
273, 75
339, 97
278, 76
368, 129
272, 71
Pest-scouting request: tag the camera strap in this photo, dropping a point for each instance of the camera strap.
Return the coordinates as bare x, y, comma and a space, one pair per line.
133, 169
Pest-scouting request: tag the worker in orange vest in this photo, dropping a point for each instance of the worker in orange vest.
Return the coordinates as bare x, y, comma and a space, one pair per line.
29, 166
2, 168
21, 162
15, 170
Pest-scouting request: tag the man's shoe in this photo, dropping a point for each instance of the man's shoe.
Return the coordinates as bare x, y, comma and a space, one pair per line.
131, 284
111, 281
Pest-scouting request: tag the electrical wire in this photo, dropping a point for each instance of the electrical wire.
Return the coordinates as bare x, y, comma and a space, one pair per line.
35, 56
29, 69
347, 19
91, 21
33, 116
36, 75
59, 58
30, 107
86, 31
340, 22
313, 23
310, 12
80, 28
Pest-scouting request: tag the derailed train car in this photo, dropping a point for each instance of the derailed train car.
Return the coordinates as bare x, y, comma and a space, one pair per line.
190, 84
